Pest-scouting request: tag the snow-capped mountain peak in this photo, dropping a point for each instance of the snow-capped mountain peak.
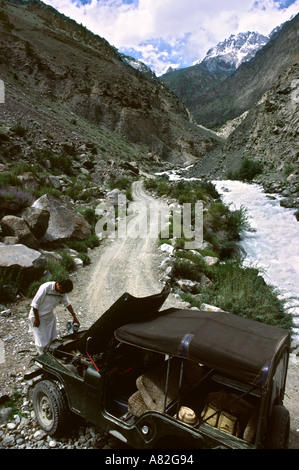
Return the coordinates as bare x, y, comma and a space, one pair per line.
230, 53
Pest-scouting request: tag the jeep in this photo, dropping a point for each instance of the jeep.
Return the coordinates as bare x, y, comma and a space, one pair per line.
173, 378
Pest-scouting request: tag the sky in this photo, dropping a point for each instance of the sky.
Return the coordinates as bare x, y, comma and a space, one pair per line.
174, 33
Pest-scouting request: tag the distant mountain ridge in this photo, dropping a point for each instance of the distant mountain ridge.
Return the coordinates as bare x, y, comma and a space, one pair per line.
216, 96
229, 54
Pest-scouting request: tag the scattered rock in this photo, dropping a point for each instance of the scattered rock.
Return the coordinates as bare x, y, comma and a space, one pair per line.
210, 308
17, 227
165, 247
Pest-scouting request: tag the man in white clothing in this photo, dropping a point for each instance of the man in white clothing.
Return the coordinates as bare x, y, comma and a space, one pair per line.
42, 320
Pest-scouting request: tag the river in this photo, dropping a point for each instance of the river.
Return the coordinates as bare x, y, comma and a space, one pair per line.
273, 242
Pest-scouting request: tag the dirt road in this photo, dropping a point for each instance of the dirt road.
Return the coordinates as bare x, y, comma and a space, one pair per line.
131, 263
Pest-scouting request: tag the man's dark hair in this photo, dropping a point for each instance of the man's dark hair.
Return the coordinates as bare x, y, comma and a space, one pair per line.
66, 285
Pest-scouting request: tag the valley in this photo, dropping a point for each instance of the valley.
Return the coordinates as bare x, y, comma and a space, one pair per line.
81, 123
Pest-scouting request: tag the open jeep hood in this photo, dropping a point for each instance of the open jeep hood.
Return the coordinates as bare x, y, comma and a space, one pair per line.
233, 345
126, 309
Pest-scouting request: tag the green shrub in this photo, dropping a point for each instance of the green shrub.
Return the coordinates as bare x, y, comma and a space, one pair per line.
14, 402
33, 287
224, 227
11, 277
58, 162
89, 215
182, 191
9, 179
189, 266
122, 183
85, 258
80, 246
19, 130
67, 261
57, 271
248, 170
92, 241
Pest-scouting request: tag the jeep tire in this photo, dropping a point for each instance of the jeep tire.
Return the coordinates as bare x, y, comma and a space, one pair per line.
50, 407
279, 428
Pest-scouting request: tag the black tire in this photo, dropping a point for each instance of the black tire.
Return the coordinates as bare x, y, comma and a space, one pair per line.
50, 406
279, 428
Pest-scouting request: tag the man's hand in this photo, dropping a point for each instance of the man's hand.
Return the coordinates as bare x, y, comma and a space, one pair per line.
75, 319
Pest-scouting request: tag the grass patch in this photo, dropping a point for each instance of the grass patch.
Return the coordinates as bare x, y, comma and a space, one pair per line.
222, 226
14, 402
242, 291
247, 172
182, 191
123, 184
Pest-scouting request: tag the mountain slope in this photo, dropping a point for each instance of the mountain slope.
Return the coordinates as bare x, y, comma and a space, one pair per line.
66, 79
267, 133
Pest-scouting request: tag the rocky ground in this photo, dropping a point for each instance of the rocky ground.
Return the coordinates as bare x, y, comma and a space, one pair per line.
18, 426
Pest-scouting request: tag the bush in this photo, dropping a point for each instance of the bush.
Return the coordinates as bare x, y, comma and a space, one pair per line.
183, 191
89, 215
92, 241
9, 179
58, 162
247, 172
80, 246
85, 258
57, 271
122, 183
11, 280
67, 261
19, 130
189, 266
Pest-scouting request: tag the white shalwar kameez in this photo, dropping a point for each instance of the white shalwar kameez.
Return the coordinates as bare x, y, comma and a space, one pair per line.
45, 300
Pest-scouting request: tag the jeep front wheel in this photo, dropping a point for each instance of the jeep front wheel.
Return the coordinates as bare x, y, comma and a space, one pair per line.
50, 407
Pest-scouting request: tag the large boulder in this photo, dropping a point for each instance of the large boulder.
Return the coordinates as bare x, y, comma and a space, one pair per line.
18, 263
64, 223
22, 256
37, 220
14, 226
